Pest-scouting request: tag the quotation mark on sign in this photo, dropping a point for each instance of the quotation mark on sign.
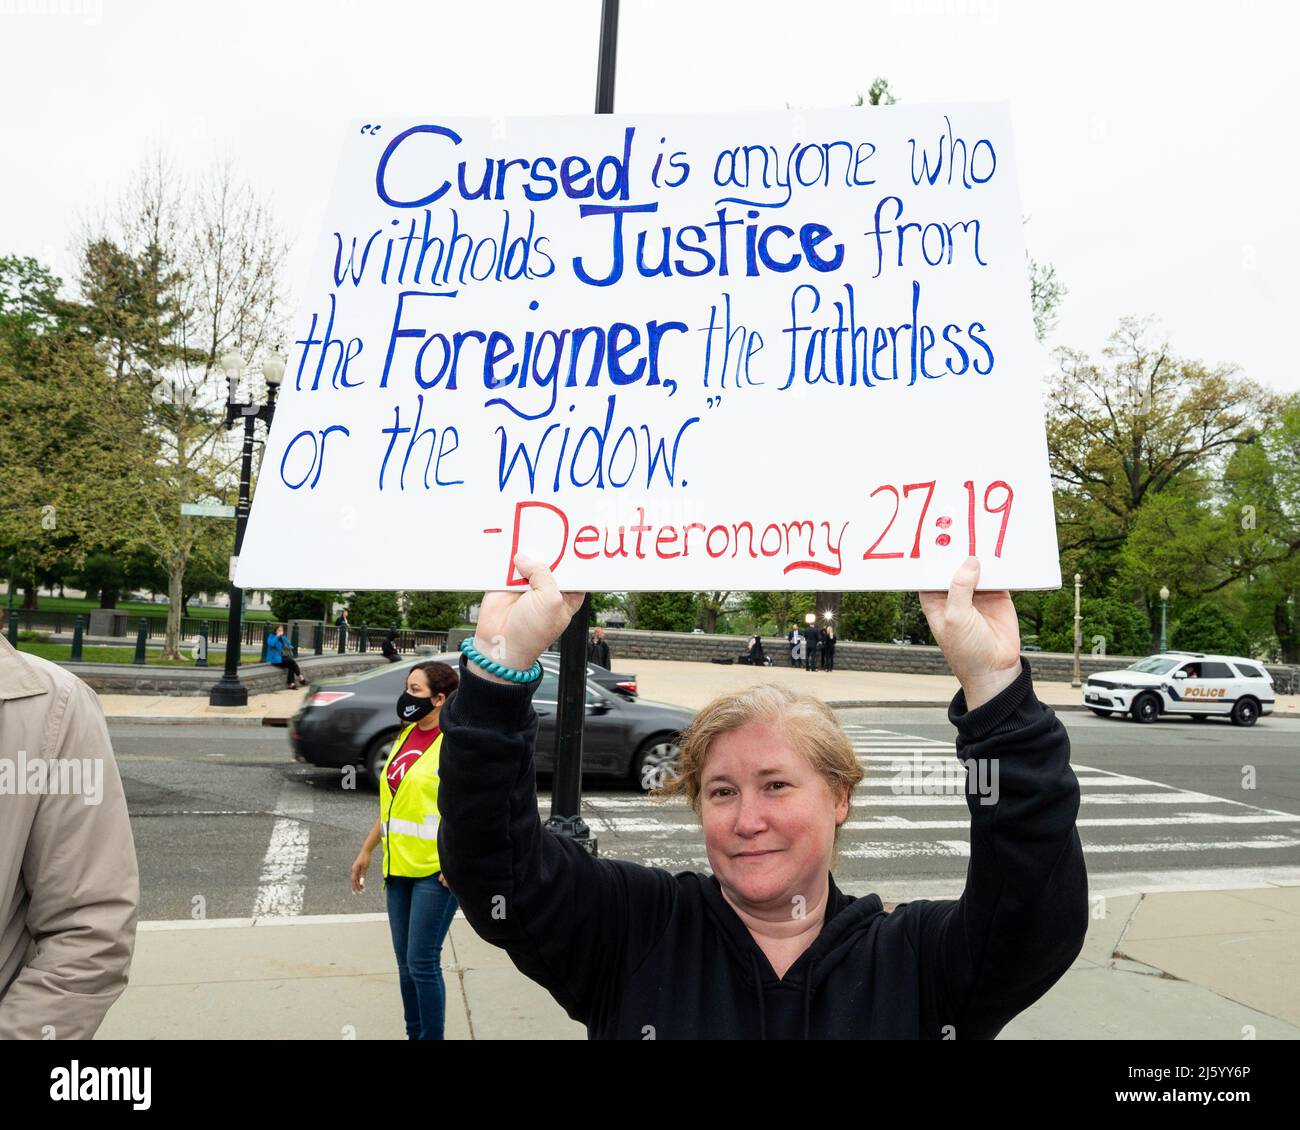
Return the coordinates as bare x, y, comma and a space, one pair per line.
370, 129
714, 401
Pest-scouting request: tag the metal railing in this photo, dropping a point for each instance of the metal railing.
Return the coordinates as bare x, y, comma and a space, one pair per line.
253, 633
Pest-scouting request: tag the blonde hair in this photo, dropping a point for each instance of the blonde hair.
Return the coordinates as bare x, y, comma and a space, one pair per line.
803, 720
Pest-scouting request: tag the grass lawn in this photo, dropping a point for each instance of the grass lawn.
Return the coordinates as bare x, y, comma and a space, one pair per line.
60, 653
134, 608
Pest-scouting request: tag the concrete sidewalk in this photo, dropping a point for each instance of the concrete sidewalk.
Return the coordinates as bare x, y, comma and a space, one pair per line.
1218, 965
686, 684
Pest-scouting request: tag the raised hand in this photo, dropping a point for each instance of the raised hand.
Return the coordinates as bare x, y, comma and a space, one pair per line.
514, 628
979, 633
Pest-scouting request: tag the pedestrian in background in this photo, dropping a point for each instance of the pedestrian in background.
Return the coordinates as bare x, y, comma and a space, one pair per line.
390, 646
420, 904
828, 648
598, 649
796, 646
278, 654
810, 647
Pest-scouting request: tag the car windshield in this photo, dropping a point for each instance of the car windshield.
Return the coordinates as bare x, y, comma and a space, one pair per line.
1155, 665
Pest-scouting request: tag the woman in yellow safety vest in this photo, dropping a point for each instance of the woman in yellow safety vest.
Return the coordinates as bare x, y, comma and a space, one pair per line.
420, 905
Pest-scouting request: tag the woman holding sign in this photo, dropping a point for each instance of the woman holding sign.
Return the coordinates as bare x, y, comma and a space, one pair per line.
767, 947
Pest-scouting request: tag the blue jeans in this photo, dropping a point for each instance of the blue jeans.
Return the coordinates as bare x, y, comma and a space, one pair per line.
419, 915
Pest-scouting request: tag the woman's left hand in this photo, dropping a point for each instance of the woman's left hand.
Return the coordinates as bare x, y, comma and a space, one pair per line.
979, 633
442, 878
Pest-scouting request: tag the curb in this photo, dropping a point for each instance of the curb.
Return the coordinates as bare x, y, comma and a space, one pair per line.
177, 720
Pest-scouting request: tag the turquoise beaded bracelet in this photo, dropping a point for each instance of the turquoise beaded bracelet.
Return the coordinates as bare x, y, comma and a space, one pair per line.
513, 674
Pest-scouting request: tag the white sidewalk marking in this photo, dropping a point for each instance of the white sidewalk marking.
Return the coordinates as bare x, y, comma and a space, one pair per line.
284, 869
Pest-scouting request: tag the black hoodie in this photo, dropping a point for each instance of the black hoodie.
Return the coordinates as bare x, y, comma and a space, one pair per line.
634, 952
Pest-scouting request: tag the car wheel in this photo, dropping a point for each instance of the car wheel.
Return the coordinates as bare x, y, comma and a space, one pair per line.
1100, 713
653, 761
372, 765
1146, 708
1245, 712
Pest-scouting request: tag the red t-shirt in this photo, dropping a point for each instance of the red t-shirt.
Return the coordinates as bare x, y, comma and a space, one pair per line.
417, 741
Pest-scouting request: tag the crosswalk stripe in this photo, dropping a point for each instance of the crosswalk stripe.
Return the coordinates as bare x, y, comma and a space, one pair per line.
284, 868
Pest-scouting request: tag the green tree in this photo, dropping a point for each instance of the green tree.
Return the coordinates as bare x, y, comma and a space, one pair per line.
301, 604
1046, 293
1262, 516
775, 612
869, 616
434, 611
711, 605
190, 273
1122, 433
615, 602
912, 622
375, 609
1207, 626
878, 94
1108, 622
665, 611
71, 451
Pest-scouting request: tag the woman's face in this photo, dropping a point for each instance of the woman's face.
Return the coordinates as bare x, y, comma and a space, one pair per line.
417, 686
769, 819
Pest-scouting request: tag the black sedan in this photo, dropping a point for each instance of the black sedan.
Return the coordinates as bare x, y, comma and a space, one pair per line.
352, 721
615, 681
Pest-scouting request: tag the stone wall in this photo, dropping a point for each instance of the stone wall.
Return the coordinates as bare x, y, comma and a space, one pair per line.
259, 678
626, 646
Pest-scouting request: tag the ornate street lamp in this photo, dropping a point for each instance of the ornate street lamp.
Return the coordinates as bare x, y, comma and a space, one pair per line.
229, 691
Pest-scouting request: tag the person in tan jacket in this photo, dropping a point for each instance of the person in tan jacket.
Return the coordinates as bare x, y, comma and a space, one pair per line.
69, 884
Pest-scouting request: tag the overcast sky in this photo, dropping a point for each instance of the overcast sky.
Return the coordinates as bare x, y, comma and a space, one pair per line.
1158, 165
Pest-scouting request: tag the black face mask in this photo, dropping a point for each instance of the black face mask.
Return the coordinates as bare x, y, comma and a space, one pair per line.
412, 709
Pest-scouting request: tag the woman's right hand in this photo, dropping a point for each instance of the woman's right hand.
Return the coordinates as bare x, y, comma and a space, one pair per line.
360, 866
514, 628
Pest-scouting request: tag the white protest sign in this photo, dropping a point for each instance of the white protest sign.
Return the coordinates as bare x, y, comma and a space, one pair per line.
758, 351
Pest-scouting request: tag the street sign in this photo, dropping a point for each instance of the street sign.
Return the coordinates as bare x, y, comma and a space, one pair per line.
207, 510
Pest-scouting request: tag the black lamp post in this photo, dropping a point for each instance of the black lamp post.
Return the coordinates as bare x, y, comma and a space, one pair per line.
571, 709
229, 691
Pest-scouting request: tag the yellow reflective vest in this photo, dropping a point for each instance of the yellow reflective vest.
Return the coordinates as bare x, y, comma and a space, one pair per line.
408, 819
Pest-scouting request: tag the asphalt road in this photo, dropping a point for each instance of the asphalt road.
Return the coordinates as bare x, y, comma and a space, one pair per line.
227, 825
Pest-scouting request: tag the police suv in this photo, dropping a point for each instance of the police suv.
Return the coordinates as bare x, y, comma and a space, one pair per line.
1184, 682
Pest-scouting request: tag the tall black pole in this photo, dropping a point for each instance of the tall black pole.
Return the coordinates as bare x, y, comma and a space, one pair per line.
229, 690
608, 57
571, 710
